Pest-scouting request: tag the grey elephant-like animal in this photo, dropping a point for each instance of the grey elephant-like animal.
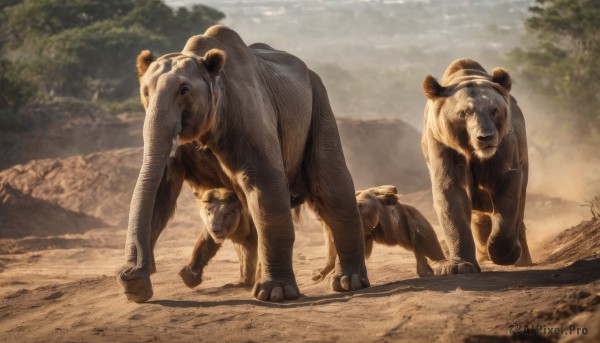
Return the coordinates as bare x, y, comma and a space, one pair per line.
266, 117
475, 145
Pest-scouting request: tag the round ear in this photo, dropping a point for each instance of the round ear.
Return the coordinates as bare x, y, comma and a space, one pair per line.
214, 61
143, 62
432, 88
501, 77
388, 199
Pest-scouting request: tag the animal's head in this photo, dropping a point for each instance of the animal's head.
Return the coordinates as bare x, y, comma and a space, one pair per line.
371, 205
471, 114
221, 212
178, 93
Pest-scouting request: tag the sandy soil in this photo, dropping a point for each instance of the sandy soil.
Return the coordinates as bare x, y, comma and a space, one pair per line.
70, 294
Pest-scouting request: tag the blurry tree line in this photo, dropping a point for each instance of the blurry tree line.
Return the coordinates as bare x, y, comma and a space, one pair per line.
86, 48
563, 63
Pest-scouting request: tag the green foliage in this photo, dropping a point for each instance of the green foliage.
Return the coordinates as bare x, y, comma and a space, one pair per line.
15, 93
97, 60
50, 17
564, 65
87, 48
15, 90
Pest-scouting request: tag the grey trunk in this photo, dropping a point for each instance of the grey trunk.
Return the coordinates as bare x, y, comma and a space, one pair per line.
157, 145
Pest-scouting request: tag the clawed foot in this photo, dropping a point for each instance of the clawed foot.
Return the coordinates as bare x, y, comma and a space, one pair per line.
454, 266
135, 282
276, 290
190, 277
345, 280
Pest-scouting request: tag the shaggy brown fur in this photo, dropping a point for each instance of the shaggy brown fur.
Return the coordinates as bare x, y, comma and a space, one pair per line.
387, 221
266, 118
475, 146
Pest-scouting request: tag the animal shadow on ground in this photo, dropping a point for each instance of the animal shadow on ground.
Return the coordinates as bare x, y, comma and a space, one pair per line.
578, 273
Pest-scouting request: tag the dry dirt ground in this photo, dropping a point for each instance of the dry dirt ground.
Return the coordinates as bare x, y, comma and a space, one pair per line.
62, 232
70, 295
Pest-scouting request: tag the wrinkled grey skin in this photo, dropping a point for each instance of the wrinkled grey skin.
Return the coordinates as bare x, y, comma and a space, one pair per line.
266, 118
475, 146
224, 217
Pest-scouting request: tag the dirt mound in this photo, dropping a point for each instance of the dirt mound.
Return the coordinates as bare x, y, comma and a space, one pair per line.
377, 151
382, 152
98, 185
23, 215
64, 129
577, 243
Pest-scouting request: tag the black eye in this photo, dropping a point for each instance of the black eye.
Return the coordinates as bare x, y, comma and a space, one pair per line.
185, 89
462, 114
146, 92
494, 112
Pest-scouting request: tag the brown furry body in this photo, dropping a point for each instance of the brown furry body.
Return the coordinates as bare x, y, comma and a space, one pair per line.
266, 118
475, 146
387, 221
225, 218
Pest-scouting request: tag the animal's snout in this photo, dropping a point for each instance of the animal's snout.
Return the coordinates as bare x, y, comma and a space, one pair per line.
485, 137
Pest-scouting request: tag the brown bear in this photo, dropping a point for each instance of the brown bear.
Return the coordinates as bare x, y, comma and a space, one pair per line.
475, 145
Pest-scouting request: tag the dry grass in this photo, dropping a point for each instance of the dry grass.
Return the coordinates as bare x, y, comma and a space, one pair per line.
594, 205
